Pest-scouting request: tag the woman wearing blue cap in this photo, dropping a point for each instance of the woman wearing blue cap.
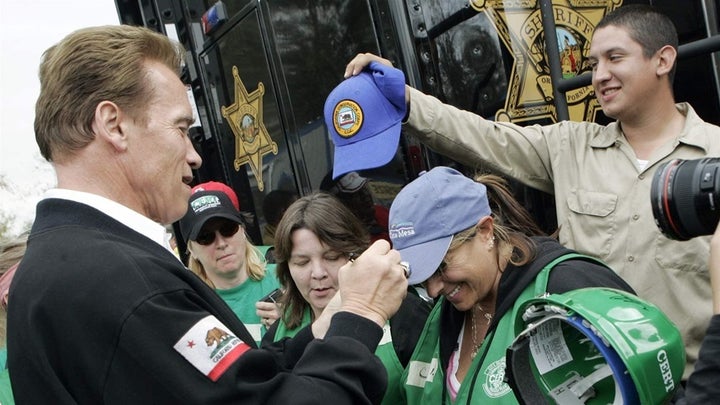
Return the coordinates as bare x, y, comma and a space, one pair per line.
317, 235
478, 252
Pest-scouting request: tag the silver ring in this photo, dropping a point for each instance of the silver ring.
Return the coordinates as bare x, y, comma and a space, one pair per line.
406, 268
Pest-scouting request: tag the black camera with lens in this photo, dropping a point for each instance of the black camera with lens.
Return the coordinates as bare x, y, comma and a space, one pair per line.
685, 197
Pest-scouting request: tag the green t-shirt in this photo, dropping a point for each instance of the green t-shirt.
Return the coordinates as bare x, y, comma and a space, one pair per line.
242, 299
6, 395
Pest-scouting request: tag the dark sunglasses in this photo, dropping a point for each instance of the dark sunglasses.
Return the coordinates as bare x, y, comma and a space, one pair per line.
443, 264
440, 270
226, 229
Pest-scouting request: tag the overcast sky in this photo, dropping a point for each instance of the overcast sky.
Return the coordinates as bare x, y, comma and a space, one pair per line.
27, 28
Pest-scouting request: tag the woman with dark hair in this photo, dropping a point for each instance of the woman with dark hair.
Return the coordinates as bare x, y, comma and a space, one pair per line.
479, 254
316, 236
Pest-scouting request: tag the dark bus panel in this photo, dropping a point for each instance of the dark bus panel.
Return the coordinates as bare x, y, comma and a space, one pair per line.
258, 73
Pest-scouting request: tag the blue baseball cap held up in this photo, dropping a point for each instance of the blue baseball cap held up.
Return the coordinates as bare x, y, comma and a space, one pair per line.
364, 114
427, 213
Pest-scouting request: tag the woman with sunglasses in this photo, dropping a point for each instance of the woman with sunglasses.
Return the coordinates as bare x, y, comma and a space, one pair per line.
315, 237
478, 252
222, 256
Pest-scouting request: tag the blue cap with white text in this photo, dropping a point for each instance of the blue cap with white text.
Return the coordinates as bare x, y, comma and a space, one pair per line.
427, 213
364, 114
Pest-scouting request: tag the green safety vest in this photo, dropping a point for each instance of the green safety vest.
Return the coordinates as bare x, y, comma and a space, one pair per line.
385, 351
424, 381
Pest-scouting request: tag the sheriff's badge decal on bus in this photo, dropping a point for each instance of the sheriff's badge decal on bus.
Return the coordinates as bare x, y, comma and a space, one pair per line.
245, 117
519, 27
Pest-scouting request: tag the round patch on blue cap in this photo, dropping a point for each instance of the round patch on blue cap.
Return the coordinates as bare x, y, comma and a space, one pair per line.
348, 118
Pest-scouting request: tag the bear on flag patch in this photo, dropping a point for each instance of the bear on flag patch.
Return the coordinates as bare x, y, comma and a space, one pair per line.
210, 347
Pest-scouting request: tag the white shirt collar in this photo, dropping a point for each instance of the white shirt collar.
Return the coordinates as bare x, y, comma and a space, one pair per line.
132, 219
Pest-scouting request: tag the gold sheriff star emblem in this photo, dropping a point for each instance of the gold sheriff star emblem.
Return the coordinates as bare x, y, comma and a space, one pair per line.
252, 139
519, 26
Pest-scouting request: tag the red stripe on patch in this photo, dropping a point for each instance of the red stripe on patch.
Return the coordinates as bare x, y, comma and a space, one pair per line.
227, 361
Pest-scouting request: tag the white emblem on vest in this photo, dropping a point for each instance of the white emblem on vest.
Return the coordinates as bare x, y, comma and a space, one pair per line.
420, 372
494, 386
